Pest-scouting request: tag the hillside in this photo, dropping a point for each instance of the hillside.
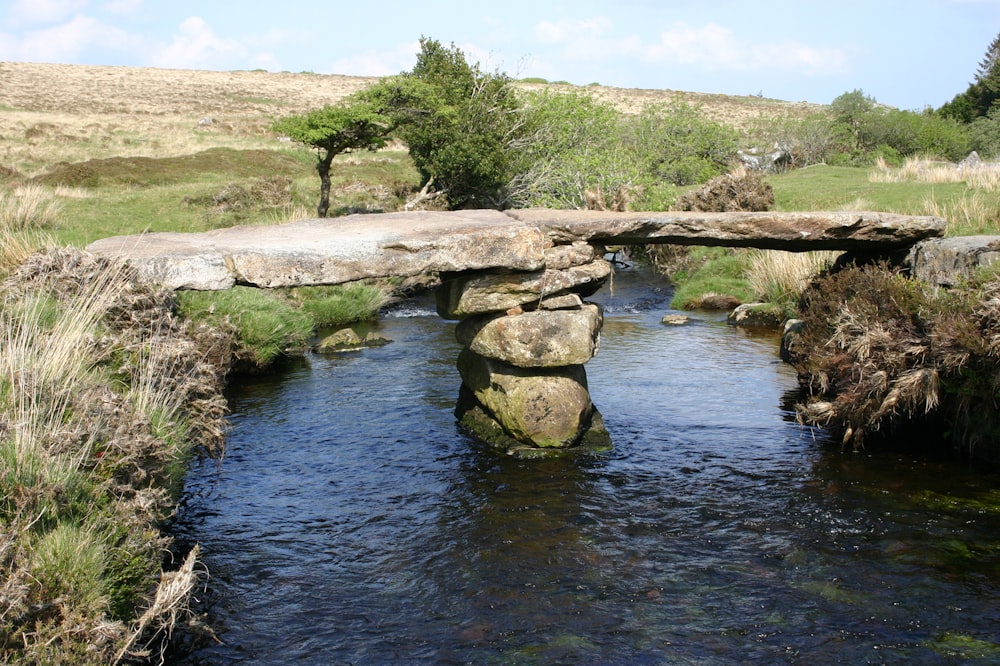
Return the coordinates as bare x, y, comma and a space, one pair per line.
55, 113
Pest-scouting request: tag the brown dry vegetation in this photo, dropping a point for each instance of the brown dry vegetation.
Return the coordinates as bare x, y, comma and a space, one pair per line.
70, 113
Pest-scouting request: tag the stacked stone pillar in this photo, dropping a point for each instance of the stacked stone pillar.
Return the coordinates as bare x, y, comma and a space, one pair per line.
526, 337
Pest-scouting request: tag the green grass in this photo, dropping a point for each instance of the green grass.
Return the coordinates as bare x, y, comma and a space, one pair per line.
119, 197
716, 271
339, 305
270, 325
267, 327
848, 188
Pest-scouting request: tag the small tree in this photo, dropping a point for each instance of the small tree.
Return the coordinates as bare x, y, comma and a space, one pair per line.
351, 125
461, 125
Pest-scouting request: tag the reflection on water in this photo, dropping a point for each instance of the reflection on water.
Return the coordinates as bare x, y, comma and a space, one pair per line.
352, 523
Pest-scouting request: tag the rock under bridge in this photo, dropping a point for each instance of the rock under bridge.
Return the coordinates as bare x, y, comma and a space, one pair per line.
517, 280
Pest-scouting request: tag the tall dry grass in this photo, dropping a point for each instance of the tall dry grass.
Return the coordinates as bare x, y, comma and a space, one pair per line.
25, 213
780, 277
97, 409
975, 213
982, 176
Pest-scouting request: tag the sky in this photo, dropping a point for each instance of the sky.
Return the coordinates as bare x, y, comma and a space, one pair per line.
909, 54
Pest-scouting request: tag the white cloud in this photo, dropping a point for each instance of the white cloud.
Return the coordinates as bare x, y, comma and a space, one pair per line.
378, 63
64, 43
587, 40
197, 46
122, 7
562, 32
717, 47
34, 12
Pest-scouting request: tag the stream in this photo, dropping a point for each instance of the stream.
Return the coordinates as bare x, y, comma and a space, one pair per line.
352, 522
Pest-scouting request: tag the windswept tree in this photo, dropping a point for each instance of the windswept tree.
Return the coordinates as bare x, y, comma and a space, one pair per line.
353, 124
463, 126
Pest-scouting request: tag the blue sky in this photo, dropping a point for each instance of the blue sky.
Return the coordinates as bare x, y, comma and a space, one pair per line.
908, 54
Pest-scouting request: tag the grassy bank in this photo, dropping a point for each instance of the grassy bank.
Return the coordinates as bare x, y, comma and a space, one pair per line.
107, 387
104, 395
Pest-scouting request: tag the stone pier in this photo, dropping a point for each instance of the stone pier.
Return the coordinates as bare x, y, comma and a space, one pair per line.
526, 337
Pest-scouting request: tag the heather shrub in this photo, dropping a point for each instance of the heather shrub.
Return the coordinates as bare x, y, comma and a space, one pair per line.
884, 356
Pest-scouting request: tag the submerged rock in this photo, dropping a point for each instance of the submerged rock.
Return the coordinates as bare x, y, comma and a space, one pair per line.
347, 339
757, 315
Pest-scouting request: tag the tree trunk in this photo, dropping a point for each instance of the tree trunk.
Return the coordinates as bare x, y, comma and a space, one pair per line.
323, 168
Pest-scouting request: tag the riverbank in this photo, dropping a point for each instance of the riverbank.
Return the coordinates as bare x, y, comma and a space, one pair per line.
105, 395
108, 388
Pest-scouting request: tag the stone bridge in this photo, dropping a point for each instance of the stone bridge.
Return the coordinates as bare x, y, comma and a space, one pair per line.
515, 279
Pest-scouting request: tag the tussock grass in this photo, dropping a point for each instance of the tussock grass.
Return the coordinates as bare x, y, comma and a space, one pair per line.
343, 304
976, 213
29, 207
781, 277
983, 176
103, 396
266, 327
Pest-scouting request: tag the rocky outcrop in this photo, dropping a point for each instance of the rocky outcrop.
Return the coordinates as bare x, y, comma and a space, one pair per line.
948, 261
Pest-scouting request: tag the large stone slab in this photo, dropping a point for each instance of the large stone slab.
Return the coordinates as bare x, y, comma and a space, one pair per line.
538, 339
796, 232
333, 250
948, 261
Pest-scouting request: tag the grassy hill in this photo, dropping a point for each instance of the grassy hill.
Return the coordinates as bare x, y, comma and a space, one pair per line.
69, 113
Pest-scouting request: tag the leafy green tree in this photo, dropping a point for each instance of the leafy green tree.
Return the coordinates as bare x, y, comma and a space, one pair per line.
572, 154
462, 125
982, 94
679, 145
984, 134
867, 129
851, 113
351, 125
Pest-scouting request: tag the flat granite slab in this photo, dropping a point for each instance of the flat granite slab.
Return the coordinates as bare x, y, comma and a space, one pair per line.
356, 247
333, 250
791, 231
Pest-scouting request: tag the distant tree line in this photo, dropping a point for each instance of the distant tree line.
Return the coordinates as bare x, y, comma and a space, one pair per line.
479, 140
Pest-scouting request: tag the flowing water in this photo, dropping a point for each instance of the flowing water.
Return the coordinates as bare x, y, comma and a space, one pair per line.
351, 522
